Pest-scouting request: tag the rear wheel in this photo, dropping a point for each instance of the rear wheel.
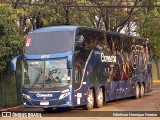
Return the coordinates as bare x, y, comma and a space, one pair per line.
99, 98
90, 100
137, 91
142, 90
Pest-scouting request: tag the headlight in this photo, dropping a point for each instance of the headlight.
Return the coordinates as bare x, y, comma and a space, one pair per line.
63, 95
26, 96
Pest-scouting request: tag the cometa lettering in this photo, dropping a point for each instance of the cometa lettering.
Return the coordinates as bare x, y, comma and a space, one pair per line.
107, 58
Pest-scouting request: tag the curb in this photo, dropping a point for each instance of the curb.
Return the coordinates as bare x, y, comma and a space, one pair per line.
156, 81
6, 109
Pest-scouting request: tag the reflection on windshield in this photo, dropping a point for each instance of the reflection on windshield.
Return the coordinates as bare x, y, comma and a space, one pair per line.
46, 74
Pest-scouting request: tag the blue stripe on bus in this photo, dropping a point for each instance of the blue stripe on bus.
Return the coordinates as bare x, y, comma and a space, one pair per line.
48, 56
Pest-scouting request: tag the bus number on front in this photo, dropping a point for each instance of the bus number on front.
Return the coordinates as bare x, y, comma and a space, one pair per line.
44, 56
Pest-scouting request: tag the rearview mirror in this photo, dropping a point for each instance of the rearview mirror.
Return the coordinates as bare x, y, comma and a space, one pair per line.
14, 63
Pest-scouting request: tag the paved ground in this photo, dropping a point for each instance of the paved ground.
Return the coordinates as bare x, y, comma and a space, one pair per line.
150, 102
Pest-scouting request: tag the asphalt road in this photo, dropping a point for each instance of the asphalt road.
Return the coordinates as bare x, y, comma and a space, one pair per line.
150, 102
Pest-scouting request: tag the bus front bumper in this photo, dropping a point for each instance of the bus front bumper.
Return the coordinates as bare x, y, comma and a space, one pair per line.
54, 103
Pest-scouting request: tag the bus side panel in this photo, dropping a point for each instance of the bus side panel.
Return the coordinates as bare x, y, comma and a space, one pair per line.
80, 94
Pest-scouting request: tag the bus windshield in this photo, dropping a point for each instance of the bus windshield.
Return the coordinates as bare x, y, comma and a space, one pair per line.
46, 74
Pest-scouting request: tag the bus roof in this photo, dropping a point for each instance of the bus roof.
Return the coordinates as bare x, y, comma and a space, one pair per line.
55, 28
73, 28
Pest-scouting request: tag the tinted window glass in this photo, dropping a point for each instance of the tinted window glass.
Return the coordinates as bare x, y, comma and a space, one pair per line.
49, 42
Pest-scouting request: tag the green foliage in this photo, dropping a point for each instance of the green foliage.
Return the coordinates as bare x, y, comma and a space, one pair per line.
8, 93
10, 40
148, 26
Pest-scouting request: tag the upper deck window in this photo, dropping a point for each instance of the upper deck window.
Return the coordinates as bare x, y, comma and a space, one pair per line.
49, 42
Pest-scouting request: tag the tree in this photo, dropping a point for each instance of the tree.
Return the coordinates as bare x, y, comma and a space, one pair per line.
111, 19
10, 40
148, 27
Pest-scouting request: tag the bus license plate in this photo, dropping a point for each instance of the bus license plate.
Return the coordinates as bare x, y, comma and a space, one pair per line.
44, 103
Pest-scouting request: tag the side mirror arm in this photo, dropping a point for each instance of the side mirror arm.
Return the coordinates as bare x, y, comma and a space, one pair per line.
69, 62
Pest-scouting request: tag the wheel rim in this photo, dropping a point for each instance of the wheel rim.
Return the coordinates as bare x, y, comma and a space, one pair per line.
137, 90
142, 90
100, 97
90, 99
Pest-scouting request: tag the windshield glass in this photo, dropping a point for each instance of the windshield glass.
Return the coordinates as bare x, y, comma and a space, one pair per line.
46, 74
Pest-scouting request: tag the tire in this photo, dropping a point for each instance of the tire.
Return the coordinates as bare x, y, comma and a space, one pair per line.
48, 109
99, 99
142, 90
137, 91
90, 100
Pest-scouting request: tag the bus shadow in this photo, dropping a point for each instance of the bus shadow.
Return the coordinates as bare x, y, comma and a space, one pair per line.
58, 110
133, 98
125, 99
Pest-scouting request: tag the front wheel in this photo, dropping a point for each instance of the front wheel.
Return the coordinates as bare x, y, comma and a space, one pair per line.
90, 100
99, 99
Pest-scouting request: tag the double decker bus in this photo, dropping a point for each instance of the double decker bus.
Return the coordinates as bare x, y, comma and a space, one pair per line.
76, 66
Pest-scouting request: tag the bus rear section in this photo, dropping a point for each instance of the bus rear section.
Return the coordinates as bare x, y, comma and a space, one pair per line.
111, 66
